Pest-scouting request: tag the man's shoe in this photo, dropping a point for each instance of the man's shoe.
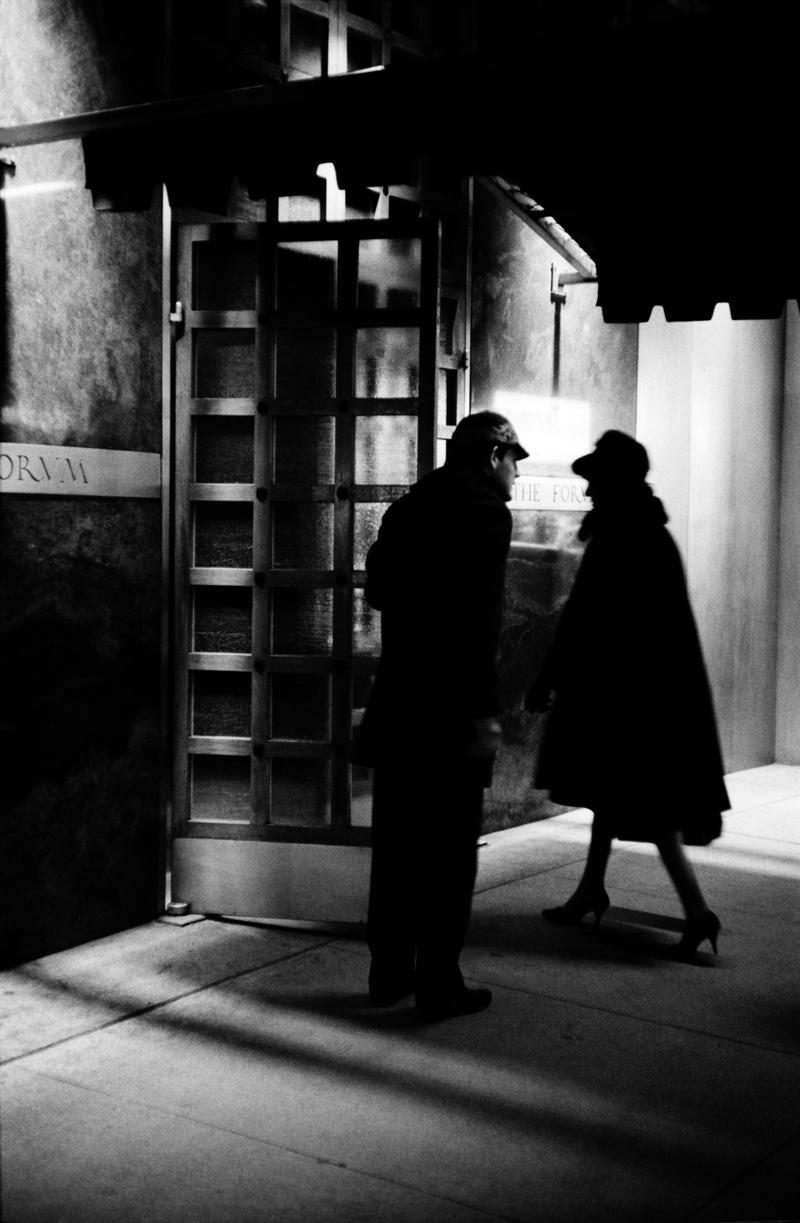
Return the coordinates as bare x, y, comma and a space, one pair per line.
463, 1002
389, 993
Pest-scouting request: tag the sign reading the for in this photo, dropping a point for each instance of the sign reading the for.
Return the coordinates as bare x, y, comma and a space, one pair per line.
554, 431
75, 471
550, 493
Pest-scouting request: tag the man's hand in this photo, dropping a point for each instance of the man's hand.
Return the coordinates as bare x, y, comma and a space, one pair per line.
487, 734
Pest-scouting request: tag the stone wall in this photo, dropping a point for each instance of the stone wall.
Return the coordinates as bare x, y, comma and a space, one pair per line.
81, 612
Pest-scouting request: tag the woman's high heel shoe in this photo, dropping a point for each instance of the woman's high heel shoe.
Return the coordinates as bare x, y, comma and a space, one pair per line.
696, 930
576, 908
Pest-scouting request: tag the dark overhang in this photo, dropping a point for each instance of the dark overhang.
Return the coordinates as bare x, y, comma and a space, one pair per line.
667, 153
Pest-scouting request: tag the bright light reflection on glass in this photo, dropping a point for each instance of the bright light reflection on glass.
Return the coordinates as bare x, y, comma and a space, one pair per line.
554, 430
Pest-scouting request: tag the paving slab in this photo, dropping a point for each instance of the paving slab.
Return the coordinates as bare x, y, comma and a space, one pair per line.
749, 993
760, 875
516, 853
75, 991
778, 820
770, 1191
770, 783
223, 1073
107, 1159
521, 1111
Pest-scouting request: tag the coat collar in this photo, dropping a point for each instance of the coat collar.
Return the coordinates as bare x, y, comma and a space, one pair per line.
638, 510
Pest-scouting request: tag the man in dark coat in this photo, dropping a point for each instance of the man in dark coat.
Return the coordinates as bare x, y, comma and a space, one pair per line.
632, 733
430, 730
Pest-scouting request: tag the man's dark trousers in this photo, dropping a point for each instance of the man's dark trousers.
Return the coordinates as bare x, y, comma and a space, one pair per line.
425, 829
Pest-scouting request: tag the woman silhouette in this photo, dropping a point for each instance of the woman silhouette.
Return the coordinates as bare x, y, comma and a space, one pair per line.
631, 733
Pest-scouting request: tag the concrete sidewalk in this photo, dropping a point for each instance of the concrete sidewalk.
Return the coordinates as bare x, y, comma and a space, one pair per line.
200, 1071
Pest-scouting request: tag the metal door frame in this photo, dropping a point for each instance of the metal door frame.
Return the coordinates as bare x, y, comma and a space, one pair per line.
239, 849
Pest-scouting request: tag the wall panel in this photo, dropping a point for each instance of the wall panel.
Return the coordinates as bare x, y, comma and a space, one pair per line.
664, 414
709, 410
733, 523
787, 739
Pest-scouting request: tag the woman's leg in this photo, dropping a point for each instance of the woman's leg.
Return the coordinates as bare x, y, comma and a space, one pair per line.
681, 872
701, 923
594, 871
590, 894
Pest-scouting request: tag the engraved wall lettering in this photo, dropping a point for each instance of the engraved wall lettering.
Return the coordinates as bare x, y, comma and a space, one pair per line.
23, 468
63, 471
550, 493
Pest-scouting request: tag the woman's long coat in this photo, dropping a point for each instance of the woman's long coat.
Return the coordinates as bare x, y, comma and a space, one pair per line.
632, 732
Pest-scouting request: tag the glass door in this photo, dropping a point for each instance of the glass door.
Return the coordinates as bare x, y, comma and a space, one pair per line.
307, 398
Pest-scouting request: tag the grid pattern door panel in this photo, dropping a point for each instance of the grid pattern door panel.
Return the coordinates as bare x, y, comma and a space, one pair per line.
306, 402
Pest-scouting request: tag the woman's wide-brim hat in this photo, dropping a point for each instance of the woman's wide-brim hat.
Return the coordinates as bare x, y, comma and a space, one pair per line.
616, 456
